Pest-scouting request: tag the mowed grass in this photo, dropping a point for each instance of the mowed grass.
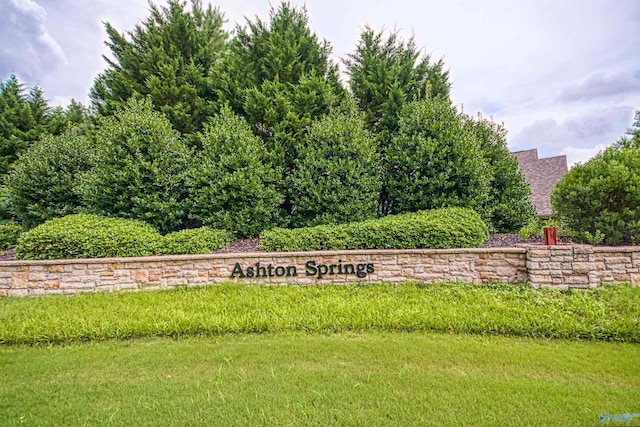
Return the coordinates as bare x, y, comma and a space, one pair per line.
346, 379
609, 313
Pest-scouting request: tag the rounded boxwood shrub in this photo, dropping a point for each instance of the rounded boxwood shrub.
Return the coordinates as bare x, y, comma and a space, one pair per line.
9, 234
203, 240
41, 185
438, 228
231, 182
140, 167
88, 236
336, 177
601, 198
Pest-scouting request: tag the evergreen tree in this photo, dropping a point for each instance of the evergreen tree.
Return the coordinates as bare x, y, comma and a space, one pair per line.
169, 58
387, 74
18, 124
73, 116
231, 183
42, 182
280, 78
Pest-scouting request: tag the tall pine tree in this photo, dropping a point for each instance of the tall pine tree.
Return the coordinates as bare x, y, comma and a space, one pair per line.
168, 57
24, 117
386, 74
280, 78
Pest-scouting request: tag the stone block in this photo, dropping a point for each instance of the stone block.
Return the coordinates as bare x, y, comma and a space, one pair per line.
577, 280
140, 276
56, 269
52, 284
37, 277
540, 279
622, 278
20, 280
505, 271
614, 260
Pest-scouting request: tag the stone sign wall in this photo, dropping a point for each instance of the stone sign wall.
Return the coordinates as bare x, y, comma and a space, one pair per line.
558, 266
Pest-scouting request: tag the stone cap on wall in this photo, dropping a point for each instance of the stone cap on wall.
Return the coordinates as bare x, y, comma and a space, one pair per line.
251, 255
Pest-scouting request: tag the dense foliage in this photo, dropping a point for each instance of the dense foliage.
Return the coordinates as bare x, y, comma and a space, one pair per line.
203, 240
25, 116
42, 184
9, 234
168, 57
140, 169
602, 197
88, 236
434, 161
508, 206
254, 132
384, 75
336, 178
280, 78
440, 228
231, 181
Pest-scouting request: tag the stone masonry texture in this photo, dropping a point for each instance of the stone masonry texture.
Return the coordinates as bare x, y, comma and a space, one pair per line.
558, 266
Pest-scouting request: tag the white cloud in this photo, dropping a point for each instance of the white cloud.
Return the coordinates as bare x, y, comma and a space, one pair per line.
601, 85
27, 48
584, 131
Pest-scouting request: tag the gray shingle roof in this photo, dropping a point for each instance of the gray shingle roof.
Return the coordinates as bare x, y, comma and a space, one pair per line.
542, 175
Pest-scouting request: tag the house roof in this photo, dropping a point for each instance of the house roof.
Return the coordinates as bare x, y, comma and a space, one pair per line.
542, 175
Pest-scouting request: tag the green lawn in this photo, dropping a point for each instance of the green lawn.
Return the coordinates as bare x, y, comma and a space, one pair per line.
367, 379
610, 313
448, 354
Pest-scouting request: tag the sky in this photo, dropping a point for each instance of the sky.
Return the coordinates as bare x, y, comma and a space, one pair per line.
562, 76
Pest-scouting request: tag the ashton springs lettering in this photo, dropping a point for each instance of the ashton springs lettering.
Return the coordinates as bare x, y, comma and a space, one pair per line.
311, 269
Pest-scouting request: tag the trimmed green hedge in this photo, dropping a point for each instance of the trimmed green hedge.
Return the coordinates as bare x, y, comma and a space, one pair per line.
202, 240
438, 228
88, 236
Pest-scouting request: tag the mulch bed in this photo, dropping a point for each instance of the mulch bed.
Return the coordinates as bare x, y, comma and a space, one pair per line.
500, 240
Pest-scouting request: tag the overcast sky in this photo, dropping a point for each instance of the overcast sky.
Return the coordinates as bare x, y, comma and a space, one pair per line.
563, 76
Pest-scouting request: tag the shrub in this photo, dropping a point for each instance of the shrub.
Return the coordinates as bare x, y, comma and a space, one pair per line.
9, 234
602, 197
336, 177
440, 228
88, 236
231, 183
42, 183
509, 205
140, 169
203, 240
532, 228
435, 161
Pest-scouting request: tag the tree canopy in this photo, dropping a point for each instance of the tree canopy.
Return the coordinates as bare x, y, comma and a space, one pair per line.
169, 57
385, 74
25, 116
195, 126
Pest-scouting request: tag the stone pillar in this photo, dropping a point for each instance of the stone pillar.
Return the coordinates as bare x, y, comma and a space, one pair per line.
562, 266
